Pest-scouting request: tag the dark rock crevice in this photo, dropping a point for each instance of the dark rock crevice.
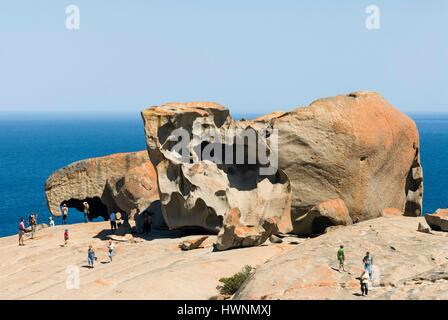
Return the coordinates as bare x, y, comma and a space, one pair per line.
96, 207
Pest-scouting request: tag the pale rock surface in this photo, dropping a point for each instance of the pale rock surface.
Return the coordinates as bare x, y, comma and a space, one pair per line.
403, 257
147, 268
408, 264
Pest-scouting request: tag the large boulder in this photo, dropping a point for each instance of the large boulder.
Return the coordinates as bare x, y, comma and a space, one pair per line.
236, 234
439, 220
326, 214
124, 182
198, 191
354, 147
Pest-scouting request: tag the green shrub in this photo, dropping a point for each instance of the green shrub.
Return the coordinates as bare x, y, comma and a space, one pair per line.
233, 283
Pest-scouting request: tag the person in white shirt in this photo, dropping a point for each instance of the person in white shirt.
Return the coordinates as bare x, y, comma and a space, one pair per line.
64, 210
111, 250
364, 279
86, 211
51, 221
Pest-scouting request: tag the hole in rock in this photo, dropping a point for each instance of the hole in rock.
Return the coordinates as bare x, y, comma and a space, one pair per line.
320, 224
97, 208
435, 227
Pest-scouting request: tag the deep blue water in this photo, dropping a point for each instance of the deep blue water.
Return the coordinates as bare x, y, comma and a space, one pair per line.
32, 148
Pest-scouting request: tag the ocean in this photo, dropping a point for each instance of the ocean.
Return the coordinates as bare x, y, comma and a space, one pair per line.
31, 148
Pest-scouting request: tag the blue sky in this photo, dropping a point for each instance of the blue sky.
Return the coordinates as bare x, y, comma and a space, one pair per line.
252, 56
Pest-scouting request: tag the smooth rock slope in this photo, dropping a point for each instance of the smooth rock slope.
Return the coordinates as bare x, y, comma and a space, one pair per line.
408, 264
411, 265
151, 268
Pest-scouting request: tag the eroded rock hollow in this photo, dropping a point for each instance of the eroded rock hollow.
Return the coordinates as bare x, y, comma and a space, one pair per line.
216, 172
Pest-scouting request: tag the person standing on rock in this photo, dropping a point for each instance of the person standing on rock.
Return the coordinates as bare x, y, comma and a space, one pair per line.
86, 211
64, 210
32, 222
91, 256
51, 222
22, 231
110, 250
368, 261
365, 282
341, 258
65, 237
113, 221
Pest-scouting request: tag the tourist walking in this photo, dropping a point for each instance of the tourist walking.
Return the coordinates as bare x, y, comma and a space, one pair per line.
86, 211
65, 237
51, 222
113, 221
64, 210
368, 261
341, 258
365, 282
111, 250
22, 231
91, 257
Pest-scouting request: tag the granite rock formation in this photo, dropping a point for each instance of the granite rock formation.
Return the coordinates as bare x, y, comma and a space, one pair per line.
124, 182
356, 148
325, 214
197, 184
439, 220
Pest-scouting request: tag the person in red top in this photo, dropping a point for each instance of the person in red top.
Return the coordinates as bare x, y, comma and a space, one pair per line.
22, 231
65, 237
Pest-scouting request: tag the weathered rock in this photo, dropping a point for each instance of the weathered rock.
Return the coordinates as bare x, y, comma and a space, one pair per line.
391, 212
402, 257
235, 234
121, 238
326, 214
423, 228
275, 239
192, 244
198, 191
355, 147
124, 182
439, 220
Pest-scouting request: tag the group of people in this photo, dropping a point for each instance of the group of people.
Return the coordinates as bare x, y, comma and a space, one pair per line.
91, 257
86, 212
367, 273
32, 222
